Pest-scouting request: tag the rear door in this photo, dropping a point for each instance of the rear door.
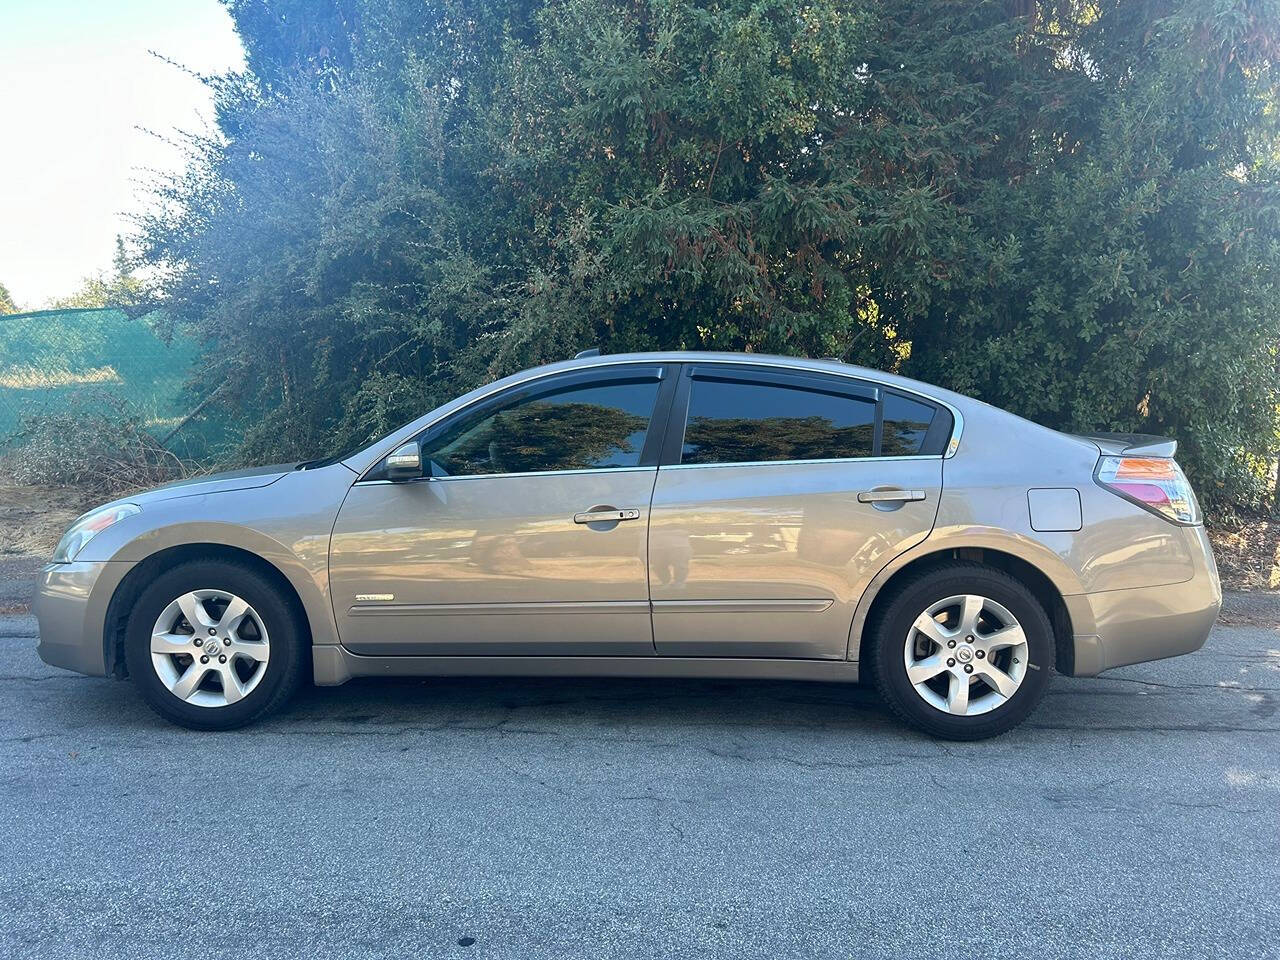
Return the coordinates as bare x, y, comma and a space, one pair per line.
780, 496
498, 551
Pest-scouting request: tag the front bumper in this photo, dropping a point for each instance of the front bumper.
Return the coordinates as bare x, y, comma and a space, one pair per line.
70, 605
1149, 623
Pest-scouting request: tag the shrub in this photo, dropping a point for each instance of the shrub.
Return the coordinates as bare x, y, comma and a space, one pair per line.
1068, 208
99, 448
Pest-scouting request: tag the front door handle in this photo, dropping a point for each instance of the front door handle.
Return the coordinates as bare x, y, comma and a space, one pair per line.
607, 515
890, 496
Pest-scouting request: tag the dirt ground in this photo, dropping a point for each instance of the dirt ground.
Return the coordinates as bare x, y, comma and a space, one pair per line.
33, 518
31, 521
1248, 553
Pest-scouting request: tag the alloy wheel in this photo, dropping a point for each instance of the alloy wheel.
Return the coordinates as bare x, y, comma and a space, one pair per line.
966, 655
210, 648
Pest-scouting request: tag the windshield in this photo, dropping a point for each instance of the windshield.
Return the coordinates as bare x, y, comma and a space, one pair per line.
328, 461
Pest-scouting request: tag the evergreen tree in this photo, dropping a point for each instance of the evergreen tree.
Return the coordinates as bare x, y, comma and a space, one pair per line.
1065, 208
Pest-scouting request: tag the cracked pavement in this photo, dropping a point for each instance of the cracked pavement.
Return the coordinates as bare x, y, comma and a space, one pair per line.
1136, 815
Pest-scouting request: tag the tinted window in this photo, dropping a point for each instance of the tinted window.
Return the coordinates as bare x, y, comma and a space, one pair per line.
580, 427
733, 422
906, 422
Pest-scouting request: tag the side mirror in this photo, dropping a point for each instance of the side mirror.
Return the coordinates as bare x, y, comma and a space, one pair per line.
405, 462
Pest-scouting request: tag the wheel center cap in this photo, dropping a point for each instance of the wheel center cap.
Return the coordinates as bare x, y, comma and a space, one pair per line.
212, 648
964, 653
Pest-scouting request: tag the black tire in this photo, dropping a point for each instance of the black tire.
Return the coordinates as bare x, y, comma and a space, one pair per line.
887, 638
280, 677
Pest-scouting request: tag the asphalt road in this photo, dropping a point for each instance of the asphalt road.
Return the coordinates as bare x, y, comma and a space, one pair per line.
1134, 816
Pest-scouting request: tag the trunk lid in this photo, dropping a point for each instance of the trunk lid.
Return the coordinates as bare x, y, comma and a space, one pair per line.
1131, 444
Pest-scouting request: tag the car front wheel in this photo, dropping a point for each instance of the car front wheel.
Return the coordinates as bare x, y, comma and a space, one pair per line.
213, 645
962, 651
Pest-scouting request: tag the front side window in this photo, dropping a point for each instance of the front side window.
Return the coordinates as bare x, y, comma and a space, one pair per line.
581, 427
738, 422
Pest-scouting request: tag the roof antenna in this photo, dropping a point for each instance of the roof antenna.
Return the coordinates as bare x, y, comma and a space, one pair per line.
593, 352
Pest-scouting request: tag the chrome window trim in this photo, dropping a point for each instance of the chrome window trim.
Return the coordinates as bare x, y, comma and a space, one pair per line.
957, 425
957, 418
670, 466
796, 463
499, 476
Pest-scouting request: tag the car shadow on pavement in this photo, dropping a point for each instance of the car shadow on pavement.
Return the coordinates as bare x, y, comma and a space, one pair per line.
574, 702
1229, 686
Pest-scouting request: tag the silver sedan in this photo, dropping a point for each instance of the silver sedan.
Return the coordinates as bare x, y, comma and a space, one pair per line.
660, 515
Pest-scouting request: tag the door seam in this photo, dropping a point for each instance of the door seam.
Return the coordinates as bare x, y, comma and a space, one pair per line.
648, 538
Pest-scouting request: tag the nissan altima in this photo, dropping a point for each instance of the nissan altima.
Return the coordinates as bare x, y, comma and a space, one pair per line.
657, 515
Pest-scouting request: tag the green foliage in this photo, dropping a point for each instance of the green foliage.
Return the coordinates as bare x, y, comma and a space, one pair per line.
733, 440
119, 288
7, 306
1065, 208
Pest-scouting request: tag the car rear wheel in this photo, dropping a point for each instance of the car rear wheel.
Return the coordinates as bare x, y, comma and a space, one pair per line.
962, 651
213, 645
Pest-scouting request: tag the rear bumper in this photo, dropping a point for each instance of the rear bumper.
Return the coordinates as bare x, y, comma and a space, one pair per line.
1149, 623
71, 607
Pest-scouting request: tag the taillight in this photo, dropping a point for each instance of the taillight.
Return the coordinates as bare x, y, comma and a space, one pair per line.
1156, 483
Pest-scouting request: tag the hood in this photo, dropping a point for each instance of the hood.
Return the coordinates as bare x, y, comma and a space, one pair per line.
214, 483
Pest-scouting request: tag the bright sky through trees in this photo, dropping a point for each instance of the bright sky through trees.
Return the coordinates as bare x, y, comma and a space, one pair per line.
76, 84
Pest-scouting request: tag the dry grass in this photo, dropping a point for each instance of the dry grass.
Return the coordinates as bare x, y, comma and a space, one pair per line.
98, 449
32, 378
33, 518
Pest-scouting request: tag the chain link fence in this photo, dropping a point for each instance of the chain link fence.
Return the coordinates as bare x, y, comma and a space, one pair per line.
57, 362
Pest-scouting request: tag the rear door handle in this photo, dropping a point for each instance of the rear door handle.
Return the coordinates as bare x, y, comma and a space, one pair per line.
606, 516
889, 496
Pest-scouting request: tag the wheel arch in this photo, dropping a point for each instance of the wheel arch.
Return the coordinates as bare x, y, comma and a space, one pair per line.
144, 571
1031, 574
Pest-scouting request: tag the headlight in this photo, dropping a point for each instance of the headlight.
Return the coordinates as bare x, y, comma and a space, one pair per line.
88, 527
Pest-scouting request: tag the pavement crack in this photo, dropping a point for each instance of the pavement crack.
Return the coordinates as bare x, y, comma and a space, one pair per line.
1191, 686
1152, 728
54, 676
1227, 808
891, 761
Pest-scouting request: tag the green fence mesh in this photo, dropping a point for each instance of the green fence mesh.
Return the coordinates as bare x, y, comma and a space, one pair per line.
55, 361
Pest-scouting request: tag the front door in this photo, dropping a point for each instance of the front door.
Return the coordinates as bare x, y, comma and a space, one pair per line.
785, 495
497, 552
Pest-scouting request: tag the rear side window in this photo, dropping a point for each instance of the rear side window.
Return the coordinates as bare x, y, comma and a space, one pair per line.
740, 422
906, 425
